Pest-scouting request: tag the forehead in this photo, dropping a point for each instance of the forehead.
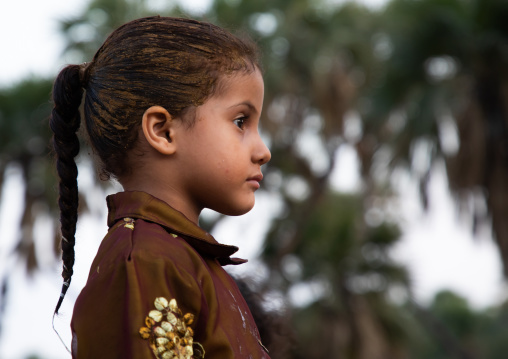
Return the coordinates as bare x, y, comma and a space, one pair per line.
239, 83
239, 91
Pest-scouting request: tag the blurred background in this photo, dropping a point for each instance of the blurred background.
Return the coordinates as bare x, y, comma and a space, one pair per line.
381, 228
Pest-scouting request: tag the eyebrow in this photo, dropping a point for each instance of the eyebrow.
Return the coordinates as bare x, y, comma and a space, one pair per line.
246, 103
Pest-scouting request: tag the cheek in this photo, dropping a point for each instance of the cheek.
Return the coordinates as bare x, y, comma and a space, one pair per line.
225, 169
229, 160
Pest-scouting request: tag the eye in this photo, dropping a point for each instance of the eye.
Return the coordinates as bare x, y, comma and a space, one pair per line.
240, 122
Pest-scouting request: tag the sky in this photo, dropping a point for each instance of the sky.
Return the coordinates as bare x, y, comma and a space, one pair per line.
437, 245
30, 41
30, 33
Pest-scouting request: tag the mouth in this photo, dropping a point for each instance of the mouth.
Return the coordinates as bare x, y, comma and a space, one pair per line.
254, 180
257, 178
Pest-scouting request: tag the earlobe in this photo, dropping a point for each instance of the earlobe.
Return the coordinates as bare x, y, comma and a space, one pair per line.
158, 128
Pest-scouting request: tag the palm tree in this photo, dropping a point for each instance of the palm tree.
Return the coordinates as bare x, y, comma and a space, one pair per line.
317, 61
24, 137
442, 93
349, 265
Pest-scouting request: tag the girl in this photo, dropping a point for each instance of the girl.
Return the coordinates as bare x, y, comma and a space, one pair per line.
171, 109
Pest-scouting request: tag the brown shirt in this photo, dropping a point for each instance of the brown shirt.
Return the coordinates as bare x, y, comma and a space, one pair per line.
157, 289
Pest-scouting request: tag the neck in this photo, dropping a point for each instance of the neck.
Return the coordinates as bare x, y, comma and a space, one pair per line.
169, 195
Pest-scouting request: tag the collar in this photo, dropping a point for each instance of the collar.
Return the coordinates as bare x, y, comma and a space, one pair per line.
141, 205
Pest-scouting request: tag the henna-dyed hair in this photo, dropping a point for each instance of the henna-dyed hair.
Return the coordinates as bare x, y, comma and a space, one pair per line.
172, 62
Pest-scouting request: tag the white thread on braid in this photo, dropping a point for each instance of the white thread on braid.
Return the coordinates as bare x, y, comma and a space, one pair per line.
59, 337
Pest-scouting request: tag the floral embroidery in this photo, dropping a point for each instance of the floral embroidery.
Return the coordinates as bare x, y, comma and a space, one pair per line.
168, 333
129, 223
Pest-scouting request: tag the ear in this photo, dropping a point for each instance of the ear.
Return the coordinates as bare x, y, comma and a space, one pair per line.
158, 128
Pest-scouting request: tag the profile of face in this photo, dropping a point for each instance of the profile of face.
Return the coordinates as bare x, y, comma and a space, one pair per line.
221, 155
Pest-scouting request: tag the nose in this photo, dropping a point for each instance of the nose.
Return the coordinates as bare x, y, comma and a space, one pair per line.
261, 153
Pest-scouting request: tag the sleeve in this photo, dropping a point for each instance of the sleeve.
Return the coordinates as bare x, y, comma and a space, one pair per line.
142, 299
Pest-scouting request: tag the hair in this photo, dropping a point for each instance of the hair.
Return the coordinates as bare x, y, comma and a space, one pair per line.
274, 327
171, 62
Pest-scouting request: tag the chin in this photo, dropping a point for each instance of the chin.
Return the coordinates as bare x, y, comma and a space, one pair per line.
235, 210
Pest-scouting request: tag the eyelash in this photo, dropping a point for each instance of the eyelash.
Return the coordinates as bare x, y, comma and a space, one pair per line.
242, 119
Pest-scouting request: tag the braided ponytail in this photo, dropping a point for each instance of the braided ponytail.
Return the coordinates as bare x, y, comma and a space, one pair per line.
64, 122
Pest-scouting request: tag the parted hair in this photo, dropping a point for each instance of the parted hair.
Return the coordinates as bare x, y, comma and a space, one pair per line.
171, 62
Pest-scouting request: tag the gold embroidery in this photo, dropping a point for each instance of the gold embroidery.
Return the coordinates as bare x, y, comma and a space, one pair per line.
172, 338
129, 223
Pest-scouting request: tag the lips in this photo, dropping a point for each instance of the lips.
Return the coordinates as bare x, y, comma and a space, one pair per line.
257, 178
254, 180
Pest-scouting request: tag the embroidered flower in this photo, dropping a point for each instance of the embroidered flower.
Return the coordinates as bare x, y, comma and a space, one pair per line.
168, 332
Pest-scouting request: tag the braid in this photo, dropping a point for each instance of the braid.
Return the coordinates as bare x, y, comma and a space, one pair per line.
64, 122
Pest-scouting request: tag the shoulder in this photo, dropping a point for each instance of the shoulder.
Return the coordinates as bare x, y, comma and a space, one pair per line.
142, 248
140, 259
153, 239
140, 239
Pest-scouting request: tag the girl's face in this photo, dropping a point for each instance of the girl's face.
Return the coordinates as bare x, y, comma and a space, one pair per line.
222, 152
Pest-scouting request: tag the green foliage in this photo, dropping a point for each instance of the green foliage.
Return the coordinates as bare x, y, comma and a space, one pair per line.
493, 331
24, 109
336, 243
24, 139
450, 328
86, 33
455, 312
352, 262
